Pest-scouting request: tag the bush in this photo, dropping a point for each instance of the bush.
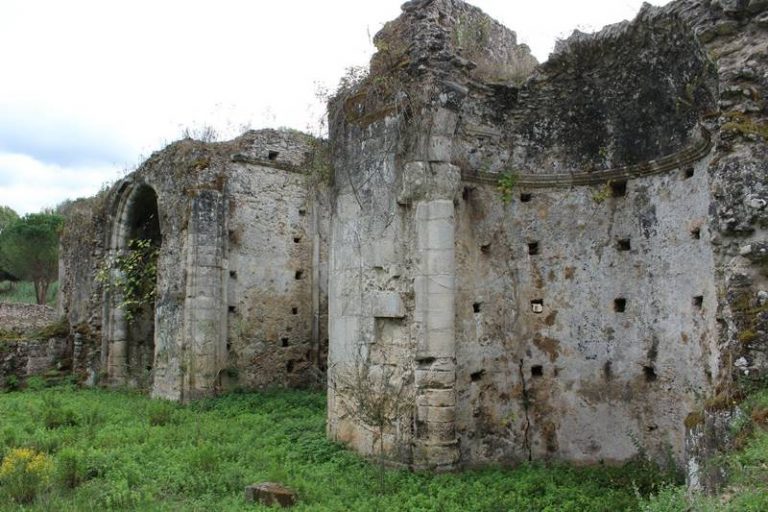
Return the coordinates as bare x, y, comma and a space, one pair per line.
12, 383
35, 383
24, 473
72, 469
160, 413
56, 416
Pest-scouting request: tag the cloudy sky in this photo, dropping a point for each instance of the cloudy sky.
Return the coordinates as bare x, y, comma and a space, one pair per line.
88, 88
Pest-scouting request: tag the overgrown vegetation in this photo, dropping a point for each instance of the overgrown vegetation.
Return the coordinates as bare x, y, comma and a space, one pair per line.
123, 451
741, 124
133, 276
746, 467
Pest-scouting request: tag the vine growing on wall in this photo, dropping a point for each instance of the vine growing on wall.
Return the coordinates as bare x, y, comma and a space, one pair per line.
133, 275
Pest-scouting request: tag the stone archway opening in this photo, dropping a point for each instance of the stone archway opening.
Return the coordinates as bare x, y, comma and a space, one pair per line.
136, 244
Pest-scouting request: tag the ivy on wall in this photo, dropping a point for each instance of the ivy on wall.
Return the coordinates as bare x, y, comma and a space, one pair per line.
133, 275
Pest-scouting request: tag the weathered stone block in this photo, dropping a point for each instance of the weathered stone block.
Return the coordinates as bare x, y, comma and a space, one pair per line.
270, 494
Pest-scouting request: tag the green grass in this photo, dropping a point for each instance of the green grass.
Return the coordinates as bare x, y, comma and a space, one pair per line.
23, 292
123, 451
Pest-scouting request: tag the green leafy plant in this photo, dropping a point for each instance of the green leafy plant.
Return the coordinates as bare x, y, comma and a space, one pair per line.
133, 275
506, 185
600, 195
12, 382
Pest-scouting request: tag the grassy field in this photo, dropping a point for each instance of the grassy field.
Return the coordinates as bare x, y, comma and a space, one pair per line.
108, 450
24, 293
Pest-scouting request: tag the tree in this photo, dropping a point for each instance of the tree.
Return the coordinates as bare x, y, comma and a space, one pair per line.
7, 217
29, 249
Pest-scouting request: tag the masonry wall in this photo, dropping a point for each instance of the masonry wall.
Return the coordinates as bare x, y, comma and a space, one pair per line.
560, 299
624, 340
240, 271
276, 290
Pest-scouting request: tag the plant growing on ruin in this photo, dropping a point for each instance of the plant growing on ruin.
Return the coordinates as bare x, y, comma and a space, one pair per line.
472, 32
600, 195
377, 396
506, 185
133, 276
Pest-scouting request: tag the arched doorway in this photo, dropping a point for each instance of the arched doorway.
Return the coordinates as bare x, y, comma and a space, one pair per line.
135, 246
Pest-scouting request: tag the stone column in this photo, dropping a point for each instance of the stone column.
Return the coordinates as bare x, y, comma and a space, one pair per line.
430, 188
205, 306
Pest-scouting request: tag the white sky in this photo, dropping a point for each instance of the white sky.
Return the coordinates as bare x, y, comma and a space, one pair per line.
88, 88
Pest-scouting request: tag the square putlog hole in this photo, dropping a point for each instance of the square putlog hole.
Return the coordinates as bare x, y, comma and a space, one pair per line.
698, 301
624, 245
620, 305
299, 275
618, 188
273, 155
537, 371
525, 197
688, 173
477, 307
533, 248
696, 233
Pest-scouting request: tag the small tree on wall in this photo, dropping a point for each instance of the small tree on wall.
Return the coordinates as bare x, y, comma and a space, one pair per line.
377, 396
29, 249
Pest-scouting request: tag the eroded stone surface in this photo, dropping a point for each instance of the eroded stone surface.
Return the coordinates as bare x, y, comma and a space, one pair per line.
270, 494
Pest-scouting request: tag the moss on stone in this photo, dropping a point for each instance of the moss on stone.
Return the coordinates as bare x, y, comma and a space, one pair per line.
694, 419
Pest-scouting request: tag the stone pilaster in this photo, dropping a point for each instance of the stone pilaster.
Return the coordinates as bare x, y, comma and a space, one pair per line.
430, 188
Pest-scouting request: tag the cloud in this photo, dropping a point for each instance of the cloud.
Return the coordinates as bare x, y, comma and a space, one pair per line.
28, 185
57, 140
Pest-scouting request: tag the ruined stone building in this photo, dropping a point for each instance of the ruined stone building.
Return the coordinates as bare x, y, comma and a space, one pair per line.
532, 261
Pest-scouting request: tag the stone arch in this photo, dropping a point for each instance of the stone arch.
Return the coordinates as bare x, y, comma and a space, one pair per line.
129, 342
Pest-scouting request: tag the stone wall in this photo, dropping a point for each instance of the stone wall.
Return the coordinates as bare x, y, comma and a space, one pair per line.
572, 298
32, 343
240, 272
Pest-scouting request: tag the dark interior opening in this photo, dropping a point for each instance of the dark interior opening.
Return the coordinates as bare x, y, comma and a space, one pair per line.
296, 239
299, 274
624, 245
477, 307
233, 274
284, 342
273, 155
537, 370
295, 311
688, 172
525, 197
650, 373
619, 188
698, 301
232, 309
485, 248
696, 233
143, 223
477, 376
533, 248
620, 305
